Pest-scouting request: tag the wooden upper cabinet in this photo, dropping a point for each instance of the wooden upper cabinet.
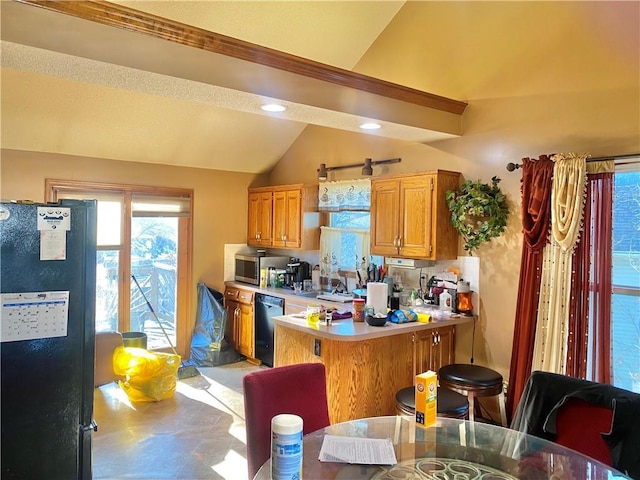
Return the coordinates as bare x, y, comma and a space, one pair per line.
260, 218
385, 212
410, 217
289, 216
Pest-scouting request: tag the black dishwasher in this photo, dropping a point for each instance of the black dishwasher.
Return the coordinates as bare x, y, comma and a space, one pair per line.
267, 307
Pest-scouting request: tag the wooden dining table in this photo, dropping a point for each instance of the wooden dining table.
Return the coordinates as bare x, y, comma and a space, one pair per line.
450, 449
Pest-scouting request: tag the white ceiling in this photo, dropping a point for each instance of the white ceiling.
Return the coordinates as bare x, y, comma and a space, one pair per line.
68, 100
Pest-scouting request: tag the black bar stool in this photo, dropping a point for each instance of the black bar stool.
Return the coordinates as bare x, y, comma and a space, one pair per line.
449, 404
474, 381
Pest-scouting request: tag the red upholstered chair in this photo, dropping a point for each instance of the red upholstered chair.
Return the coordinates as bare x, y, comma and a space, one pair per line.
596, 419
297, 389
580, 425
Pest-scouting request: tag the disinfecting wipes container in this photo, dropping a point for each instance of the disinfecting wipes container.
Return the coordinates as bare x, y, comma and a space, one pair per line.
286, 447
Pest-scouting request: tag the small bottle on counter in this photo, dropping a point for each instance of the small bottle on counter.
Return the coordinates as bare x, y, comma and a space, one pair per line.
358, 309
445, 301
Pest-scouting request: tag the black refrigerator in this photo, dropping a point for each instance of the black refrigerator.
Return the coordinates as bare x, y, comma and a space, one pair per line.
48, 285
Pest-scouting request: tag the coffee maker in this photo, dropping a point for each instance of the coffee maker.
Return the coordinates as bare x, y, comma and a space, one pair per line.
297, 271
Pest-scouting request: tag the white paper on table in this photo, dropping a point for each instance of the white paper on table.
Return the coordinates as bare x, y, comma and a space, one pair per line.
366, 451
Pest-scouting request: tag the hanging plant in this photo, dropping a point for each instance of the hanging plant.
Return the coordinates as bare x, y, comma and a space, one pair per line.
478, 212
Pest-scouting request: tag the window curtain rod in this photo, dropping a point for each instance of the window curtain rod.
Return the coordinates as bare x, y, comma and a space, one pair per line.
514, 166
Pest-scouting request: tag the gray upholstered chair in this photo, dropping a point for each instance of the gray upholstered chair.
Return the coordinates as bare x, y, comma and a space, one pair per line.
106, 343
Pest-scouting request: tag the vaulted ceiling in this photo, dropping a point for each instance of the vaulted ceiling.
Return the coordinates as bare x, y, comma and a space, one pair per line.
181, 82
76, 83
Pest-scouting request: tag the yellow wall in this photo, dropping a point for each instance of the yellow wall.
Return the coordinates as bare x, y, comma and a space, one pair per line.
539, 77
581, 95
220, 198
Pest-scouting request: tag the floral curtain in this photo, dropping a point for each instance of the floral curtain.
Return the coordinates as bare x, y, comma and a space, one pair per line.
345, 195
331, 249
567, 206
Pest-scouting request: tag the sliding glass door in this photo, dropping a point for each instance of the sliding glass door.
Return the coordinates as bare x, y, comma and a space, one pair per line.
143, 260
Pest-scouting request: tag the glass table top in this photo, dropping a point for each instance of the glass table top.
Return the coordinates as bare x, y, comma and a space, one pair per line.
452, 449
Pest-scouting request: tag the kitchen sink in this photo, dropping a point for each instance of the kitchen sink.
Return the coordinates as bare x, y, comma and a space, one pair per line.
336, 297
312, 294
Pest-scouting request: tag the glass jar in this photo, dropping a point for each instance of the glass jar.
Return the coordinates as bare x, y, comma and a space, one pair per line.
313, 314
358, 309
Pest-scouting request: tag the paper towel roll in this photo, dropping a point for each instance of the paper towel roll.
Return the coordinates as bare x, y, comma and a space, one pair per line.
377, 296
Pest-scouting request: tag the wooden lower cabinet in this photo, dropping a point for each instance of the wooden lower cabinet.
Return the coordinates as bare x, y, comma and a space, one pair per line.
362, 376
231, 306
434, 348
240, 310
246, 334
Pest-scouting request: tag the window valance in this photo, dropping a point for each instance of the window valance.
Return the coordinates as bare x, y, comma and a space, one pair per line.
345, 195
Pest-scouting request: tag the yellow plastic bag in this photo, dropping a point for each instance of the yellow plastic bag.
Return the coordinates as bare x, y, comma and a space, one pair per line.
149, 376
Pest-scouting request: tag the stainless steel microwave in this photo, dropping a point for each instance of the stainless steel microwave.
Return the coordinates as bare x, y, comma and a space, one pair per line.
248, 266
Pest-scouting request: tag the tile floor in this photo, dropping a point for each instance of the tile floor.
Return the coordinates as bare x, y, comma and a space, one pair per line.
198, 434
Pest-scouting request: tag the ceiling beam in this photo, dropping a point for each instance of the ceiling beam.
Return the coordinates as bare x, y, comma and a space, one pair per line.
118, 16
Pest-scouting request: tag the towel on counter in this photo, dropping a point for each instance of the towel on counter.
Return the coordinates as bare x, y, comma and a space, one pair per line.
402, 316
341, 314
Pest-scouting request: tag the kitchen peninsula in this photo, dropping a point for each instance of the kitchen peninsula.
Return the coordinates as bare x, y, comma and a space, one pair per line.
365, 365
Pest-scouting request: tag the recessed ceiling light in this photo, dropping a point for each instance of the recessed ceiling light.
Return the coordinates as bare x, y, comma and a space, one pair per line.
370, 126
273, 107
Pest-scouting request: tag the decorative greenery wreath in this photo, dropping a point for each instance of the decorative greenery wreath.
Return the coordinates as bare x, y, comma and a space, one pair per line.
478, 212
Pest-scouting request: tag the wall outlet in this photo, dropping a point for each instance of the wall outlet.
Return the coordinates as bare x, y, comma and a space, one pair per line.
316, 347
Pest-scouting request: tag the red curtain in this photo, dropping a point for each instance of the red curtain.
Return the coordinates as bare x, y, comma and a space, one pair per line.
589, 347
536, 223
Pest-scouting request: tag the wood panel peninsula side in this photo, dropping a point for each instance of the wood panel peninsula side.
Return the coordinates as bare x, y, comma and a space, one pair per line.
366, 366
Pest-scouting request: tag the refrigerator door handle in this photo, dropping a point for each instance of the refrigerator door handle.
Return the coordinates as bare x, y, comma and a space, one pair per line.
92, 427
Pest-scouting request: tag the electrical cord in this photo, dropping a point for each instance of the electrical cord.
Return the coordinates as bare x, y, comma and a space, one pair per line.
473, 338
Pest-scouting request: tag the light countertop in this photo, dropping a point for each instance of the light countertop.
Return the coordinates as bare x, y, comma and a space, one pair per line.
349, 331
290, 296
